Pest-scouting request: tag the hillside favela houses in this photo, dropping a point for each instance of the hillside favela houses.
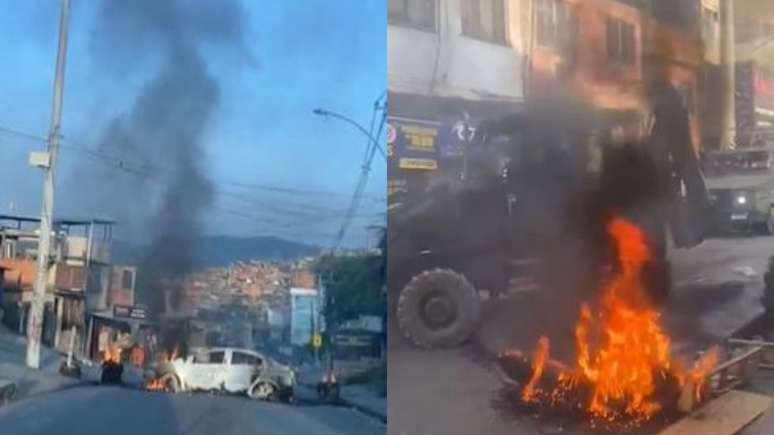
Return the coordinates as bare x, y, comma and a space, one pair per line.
91, 303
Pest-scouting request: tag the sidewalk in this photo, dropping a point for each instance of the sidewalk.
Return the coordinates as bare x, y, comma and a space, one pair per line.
362, 397
27, 381
366, 400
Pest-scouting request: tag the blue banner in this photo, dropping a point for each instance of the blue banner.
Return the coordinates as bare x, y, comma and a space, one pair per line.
419, 144
413, 144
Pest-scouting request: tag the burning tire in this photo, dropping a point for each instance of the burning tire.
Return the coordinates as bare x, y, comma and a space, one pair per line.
438, 308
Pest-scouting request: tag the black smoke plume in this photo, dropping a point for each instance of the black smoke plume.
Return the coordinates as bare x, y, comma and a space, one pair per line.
160, 137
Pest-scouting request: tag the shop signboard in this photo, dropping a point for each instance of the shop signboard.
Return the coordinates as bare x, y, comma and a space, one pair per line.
413, 144
304, 315
130, 312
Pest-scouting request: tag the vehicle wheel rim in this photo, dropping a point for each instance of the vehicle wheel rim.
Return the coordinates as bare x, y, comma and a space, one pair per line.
262, 391
438, 311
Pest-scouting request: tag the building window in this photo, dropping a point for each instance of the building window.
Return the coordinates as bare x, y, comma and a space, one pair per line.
419, 14
127, 278
484, 19
555, 24
620, 42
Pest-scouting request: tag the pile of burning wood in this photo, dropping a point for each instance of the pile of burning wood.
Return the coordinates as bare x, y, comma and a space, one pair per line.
624, 368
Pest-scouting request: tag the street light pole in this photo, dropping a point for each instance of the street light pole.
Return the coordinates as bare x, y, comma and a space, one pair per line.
35, 325
374, 141
371, 147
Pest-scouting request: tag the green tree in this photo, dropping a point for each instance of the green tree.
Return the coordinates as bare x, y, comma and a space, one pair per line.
354, 284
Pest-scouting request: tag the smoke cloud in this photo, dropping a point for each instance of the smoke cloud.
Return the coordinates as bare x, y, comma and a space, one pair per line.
160, 136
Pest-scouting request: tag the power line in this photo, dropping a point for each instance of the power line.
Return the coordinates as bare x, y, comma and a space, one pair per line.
23, 134
121, 164
266, 206
303, 216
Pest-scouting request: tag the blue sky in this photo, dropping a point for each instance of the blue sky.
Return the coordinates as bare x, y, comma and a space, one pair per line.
309, 53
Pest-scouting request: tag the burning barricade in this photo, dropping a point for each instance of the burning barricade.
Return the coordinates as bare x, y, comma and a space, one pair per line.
112, 365
161, 377
624, 370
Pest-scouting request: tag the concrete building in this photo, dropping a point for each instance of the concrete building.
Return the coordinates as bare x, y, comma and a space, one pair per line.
82, 278
603, 53
754, 73
451, 63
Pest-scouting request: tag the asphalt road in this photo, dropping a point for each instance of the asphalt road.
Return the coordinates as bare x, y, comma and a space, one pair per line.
98, 410
717, 287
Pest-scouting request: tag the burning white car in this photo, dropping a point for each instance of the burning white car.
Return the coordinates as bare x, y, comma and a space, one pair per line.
229, 370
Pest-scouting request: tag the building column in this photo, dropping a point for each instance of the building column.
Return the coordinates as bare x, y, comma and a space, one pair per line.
728, 65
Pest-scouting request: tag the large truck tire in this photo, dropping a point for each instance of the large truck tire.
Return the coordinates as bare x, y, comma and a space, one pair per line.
438, 308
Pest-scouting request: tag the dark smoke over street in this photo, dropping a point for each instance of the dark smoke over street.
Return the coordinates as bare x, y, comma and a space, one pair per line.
165, 127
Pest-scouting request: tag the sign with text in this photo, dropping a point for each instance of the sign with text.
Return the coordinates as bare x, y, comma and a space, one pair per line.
131, 312
413, 144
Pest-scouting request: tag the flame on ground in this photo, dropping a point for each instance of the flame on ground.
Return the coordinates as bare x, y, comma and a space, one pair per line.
164, 357
538, 364
622, 351
154, 385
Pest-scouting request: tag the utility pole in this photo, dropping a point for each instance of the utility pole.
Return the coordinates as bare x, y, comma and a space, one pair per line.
728, 66
35, 326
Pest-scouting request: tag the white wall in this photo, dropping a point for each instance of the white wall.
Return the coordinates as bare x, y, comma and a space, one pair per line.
450, 64
76, 248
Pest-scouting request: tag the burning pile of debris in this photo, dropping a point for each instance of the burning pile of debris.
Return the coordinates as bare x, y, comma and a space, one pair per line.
624, 370
160, 381
112, 367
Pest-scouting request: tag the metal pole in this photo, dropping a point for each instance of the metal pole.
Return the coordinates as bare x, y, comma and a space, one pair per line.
371, 138
34, 329
728, 66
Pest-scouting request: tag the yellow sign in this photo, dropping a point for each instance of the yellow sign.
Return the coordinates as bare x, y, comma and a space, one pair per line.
316, 340
420, 138
427, 164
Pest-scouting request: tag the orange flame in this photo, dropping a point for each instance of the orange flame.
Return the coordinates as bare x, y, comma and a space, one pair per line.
164, 357
112, 354
154, 385
538, 364
633, 351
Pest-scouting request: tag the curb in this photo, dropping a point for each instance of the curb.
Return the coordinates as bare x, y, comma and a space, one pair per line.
348, 403
365, 410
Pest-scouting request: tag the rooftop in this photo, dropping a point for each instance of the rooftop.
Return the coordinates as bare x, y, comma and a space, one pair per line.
71, 221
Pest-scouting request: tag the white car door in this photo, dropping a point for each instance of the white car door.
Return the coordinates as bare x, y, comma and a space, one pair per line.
207, 370
242, 366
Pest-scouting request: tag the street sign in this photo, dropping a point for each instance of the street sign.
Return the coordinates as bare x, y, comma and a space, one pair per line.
316, 341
